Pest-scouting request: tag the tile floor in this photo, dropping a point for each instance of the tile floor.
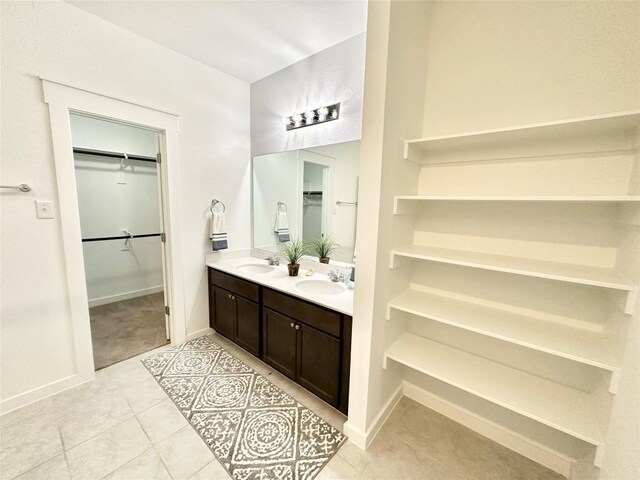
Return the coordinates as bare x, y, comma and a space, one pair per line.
123, 426
122, 330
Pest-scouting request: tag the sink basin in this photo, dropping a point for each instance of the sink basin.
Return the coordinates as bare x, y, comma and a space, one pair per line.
255, 268
319, 287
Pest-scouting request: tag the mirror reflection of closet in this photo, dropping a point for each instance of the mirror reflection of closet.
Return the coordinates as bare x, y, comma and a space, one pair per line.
119, 202
320, 187
312, 201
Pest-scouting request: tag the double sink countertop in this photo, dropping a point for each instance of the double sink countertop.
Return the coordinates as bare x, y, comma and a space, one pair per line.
317, 288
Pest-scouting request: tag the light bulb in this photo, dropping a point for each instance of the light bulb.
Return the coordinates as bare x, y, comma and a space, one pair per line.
310, 116
287, 120
334, 113
297, 118
323, 112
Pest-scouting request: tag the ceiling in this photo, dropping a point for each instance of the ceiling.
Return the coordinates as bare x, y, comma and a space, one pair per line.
248, 39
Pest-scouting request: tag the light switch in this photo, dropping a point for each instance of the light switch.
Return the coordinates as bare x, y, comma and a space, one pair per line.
44, 209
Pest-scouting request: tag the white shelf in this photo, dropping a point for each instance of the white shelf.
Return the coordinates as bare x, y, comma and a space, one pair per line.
568, 410
520, 198
576, 344
614, 132
599, 277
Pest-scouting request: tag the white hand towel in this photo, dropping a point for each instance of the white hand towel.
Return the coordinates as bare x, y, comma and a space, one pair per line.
218, 231
282, 226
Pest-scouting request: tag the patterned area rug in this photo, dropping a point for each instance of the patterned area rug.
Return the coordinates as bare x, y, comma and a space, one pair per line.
255, 429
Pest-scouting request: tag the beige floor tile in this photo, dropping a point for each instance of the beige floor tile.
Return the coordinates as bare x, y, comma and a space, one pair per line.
434, 436
162, 420
212, 471
144, 395
395, 460
123, 374
146, 466
86, 414
54, 469
338, 469
354, 455
107, 451
25, 445
184, 453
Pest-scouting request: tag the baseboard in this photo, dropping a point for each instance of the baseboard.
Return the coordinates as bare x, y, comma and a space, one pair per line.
23, 399
200, 333
125, 296
527, 447
364, 439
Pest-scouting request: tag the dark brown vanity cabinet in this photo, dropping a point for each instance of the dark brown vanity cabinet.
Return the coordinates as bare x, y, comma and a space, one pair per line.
234, 310
307, 343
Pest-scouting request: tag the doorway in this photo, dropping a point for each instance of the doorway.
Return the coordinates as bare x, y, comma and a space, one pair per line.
119, 191
317, 193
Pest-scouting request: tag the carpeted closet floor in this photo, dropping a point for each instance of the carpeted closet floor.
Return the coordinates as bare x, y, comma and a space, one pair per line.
125, 329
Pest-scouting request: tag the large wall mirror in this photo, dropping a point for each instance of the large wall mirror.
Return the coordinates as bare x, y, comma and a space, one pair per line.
314, 191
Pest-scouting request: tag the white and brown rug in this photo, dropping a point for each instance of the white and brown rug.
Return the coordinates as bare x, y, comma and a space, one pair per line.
254, 428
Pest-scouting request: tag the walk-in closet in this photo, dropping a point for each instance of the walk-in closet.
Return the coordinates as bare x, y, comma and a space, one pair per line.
117, 179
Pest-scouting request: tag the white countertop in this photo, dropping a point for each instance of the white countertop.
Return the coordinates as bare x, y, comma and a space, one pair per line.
279, 279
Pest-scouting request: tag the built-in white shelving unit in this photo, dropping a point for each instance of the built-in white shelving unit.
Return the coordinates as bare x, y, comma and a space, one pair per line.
523, 198
583, 174
598, 277
571, 411
580, 345
605, 133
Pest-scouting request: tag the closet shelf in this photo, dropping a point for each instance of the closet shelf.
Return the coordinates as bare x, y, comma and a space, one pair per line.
568, 410
577, 344
518, 198
603, 133
598, 277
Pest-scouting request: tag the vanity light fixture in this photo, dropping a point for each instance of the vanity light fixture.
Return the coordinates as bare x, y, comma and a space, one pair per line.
312, 117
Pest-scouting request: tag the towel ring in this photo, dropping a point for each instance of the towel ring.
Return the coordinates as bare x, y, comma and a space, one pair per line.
214, 202
282, 204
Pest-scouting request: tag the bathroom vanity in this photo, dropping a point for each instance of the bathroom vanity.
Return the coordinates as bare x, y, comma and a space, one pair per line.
290, 323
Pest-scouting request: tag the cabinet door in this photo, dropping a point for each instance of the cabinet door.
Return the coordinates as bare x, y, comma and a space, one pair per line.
247, 325
224, 306
279, 348
319, 363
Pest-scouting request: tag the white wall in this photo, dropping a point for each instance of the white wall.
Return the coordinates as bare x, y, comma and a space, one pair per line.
332, 75
99, 134
503, 64
108, 206
58, 41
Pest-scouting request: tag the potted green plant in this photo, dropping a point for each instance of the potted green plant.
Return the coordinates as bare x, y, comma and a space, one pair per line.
323, 246
293, 251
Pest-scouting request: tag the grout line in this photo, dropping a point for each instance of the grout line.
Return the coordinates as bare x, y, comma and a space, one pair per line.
64, 455
100, 433
153, 446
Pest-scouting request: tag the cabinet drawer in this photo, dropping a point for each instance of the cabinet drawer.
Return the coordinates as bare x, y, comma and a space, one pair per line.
325, 320
234, 284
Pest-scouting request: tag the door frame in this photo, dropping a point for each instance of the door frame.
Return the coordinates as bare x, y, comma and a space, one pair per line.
328, 208
63, 100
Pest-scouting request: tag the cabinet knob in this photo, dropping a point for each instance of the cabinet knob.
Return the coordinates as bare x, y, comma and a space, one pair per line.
297, 327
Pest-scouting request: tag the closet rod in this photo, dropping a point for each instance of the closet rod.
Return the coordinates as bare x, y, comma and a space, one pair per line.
121, 237
104, 153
